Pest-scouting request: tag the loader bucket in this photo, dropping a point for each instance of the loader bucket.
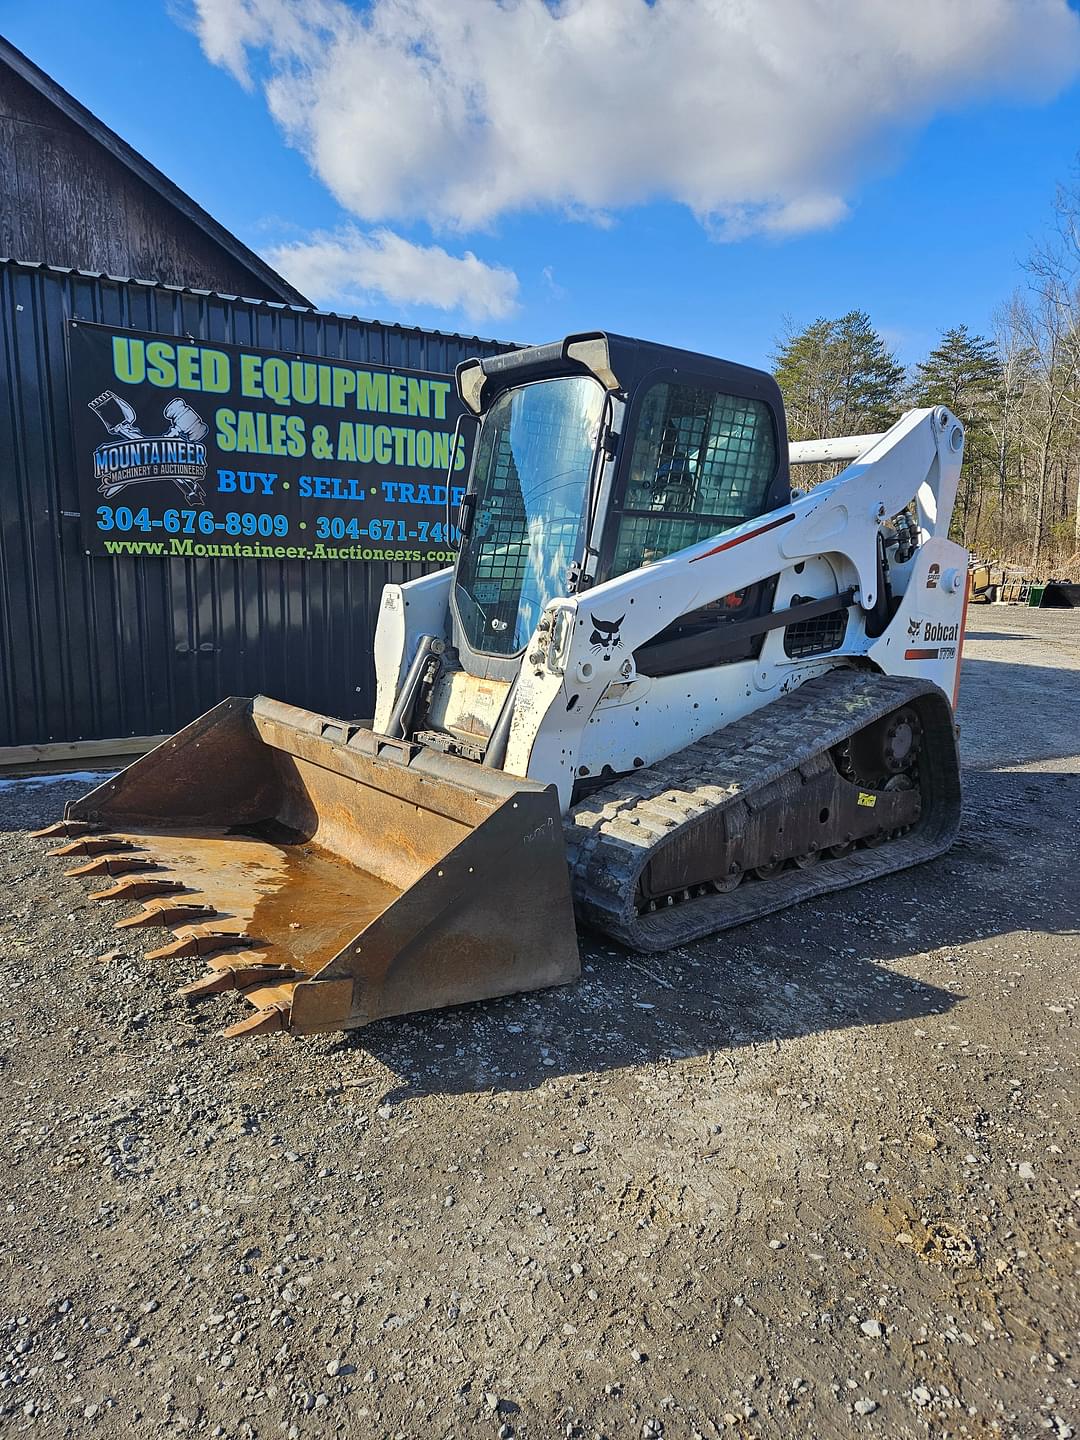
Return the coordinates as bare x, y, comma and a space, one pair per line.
333, 876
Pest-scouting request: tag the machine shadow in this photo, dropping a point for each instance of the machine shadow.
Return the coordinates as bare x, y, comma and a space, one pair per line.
849, 959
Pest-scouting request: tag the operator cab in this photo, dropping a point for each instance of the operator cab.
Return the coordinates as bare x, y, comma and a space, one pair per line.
596, 455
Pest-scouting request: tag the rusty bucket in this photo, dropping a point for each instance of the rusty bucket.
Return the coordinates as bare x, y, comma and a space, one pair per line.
330, 875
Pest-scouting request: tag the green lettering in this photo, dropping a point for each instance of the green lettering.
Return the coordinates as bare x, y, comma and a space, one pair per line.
250, 367
346, 444
304, 382
344, 384
371, 391
215, 372
225, 421
160, 369
187, 367
294, 428
275, 380
399, 404
129, 360
440, 389
419, 397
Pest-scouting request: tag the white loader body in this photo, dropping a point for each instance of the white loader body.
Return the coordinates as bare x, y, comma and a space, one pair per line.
581, 705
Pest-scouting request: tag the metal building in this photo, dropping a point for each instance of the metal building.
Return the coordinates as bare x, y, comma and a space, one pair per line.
99, 647
96, 647
72, 192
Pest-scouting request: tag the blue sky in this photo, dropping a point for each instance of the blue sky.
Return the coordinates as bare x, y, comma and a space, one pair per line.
911, 192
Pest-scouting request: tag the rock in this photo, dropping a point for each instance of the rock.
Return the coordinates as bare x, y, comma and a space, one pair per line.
865, 1407
491, 1400
872, 1328
1025, 1170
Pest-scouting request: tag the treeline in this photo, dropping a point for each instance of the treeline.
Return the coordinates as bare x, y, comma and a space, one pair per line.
1017, 391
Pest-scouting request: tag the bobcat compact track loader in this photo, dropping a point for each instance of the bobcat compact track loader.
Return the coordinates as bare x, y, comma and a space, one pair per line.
659, 690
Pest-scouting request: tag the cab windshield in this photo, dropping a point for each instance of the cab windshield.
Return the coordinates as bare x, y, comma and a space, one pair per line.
531, 476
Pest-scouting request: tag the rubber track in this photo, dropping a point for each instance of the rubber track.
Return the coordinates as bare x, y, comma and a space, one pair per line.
611, 836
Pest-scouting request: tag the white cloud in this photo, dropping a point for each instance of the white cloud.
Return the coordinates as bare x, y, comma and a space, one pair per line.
759, 117
347, 268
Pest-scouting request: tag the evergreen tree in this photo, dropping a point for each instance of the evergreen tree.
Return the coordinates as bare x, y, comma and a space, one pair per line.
838, 377
964, 372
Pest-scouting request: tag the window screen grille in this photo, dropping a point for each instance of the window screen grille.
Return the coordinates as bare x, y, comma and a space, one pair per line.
702, 462
815, 637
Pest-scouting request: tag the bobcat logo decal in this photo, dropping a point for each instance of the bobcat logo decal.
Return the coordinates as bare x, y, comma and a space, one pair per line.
605, 639
913, 627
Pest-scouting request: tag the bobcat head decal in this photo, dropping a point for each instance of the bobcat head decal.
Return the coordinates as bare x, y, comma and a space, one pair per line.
913, 628
605, 639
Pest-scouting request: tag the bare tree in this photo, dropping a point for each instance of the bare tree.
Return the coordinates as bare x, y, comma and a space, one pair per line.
1053, 324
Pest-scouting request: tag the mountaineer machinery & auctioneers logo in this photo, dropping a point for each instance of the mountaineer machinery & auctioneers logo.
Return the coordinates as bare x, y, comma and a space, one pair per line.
132, 458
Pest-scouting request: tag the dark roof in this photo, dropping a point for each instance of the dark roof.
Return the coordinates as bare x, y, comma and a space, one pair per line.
149, 174
306, 308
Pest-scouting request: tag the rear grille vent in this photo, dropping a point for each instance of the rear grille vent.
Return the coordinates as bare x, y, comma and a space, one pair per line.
815, 637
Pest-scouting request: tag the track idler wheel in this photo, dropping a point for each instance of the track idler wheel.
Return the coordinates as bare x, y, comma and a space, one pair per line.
888, 747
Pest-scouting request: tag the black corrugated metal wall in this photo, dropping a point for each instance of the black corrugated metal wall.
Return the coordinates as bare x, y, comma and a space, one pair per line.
104, 647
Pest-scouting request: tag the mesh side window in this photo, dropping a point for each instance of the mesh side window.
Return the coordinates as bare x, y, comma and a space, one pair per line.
702, 462
815, 637
643, 539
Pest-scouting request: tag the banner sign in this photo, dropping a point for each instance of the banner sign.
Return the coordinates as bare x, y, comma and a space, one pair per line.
190, 448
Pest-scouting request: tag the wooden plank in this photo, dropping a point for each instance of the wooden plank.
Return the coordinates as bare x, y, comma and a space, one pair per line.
58, 752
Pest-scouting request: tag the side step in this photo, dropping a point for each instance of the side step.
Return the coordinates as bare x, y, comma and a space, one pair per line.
614, 836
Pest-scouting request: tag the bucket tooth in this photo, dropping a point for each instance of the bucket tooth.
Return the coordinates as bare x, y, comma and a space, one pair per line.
95, 845
270, 1021
136, 889
66, 827
206, 943
235, 975
114, 865
167, 913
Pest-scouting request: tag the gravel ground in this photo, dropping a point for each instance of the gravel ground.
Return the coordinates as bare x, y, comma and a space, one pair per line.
812, 1178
